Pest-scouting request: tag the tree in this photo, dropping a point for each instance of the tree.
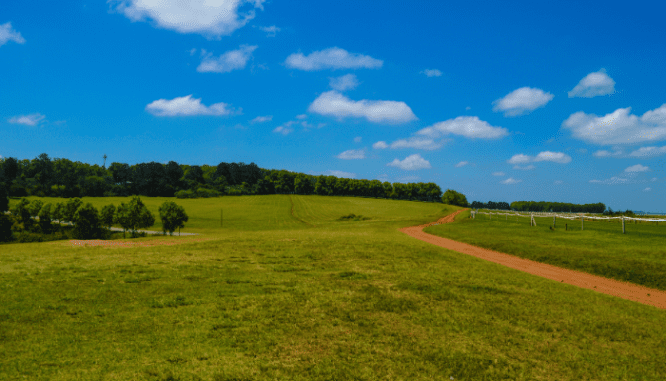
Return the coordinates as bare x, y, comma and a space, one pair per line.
35, 207
70, 208
87, 224
173, 216
45, 218
5, 222
452, 197
22, 213
58, 211
10, 167
107, 215
134, 215
4, 199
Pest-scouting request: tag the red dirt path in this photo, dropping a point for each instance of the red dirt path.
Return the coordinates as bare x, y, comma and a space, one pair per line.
613, 287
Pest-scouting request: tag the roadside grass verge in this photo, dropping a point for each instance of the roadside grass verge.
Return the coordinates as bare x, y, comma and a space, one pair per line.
601, 249
342, 300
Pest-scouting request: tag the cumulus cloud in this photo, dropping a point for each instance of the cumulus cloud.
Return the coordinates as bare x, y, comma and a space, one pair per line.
594, 84
380, 145
653, 179
637, 168
271, 31
605, 153
462, 164
522, 101
301, 116
411, 163
647, 189
511, 180
332, 58
524, 168
416, 142
612, 181
649, 151
211, 18
618, 127
352, 154
345, 175
27, 120
345, 82
187, 106
468, 126
432, 73
332, 103
284, 130
7, 33
358, 139
229, 61
555, 157
262, 119
557, 182
498, 173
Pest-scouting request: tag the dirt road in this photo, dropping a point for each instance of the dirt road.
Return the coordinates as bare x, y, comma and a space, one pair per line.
613, 287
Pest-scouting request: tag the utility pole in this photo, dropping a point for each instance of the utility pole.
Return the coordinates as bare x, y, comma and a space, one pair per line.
104, 165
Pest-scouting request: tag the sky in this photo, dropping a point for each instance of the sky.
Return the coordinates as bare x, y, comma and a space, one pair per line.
505, 101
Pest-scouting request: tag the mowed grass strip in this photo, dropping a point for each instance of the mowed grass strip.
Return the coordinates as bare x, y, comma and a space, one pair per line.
639, 256
351, 300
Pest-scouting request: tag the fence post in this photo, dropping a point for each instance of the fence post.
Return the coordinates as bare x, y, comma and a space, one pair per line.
582, 222
623, 231
553, 221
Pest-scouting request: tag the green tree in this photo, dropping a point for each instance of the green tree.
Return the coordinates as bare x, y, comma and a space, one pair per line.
107, 215
135, 216
35, 207
173, 216
87, 224
452, 197
58, 211
5, 222
4, 199
22, 213
73, 204
45, 218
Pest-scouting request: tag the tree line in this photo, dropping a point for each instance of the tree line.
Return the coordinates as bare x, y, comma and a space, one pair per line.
558, 207
44, 176
490, 205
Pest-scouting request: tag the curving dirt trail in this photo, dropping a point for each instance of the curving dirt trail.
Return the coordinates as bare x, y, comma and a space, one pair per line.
613, 287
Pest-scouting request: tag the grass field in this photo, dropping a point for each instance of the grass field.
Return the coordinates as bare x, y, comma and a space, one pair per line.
639, 256
286, 291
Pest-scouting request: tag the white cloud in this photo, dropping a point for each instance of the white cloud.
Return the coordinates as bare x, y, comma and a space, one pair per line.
336, 173
27, 120
380, 145
618, 127
605, 153
612, 181
358, 139
262, 119
525, 168
511, 180
411, 163
557, 182
653, 179
555, 157
594, 84
416, 142
498, 173
432, 73
522, 101
284, 130
462, 164
647, 189
467, 126
637, 168
229, 61
345, 82
649, 151
301, 116
352, 154
8, 34
519, 159
211, 18
332, 58
187, 106
332, 103
270, 30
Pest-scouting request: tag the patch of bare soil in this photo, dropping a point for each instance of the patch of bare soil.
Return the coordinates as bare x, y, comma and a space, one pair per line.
613, 287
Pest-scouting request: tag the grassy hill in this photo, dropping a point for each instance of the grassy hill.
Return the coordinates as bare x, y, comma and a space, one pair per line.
287, 290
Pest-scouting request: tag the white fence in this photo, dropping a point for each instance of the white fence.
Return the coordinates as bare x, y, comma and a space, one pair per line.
571, 216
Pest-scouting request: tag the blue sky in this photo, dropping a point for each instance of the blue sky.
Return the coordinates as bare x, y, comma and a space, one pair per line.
517, 101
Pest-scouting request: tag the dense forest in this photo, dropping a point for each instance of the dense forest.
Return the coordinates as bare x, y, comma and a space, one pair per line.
541, 206
44, 176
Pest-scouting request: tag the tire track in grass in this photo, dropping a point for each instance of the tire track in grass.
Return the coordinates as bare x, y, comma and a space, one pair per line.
629, 291
294, 216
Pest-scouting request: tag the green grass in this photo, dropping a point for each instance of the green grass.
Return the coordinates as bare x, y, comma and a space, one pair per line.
307, 297
600, 248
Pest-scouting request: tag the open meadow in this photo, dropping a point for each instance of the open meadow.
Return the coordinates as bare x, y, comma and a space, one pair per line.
639, 256
285, 289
